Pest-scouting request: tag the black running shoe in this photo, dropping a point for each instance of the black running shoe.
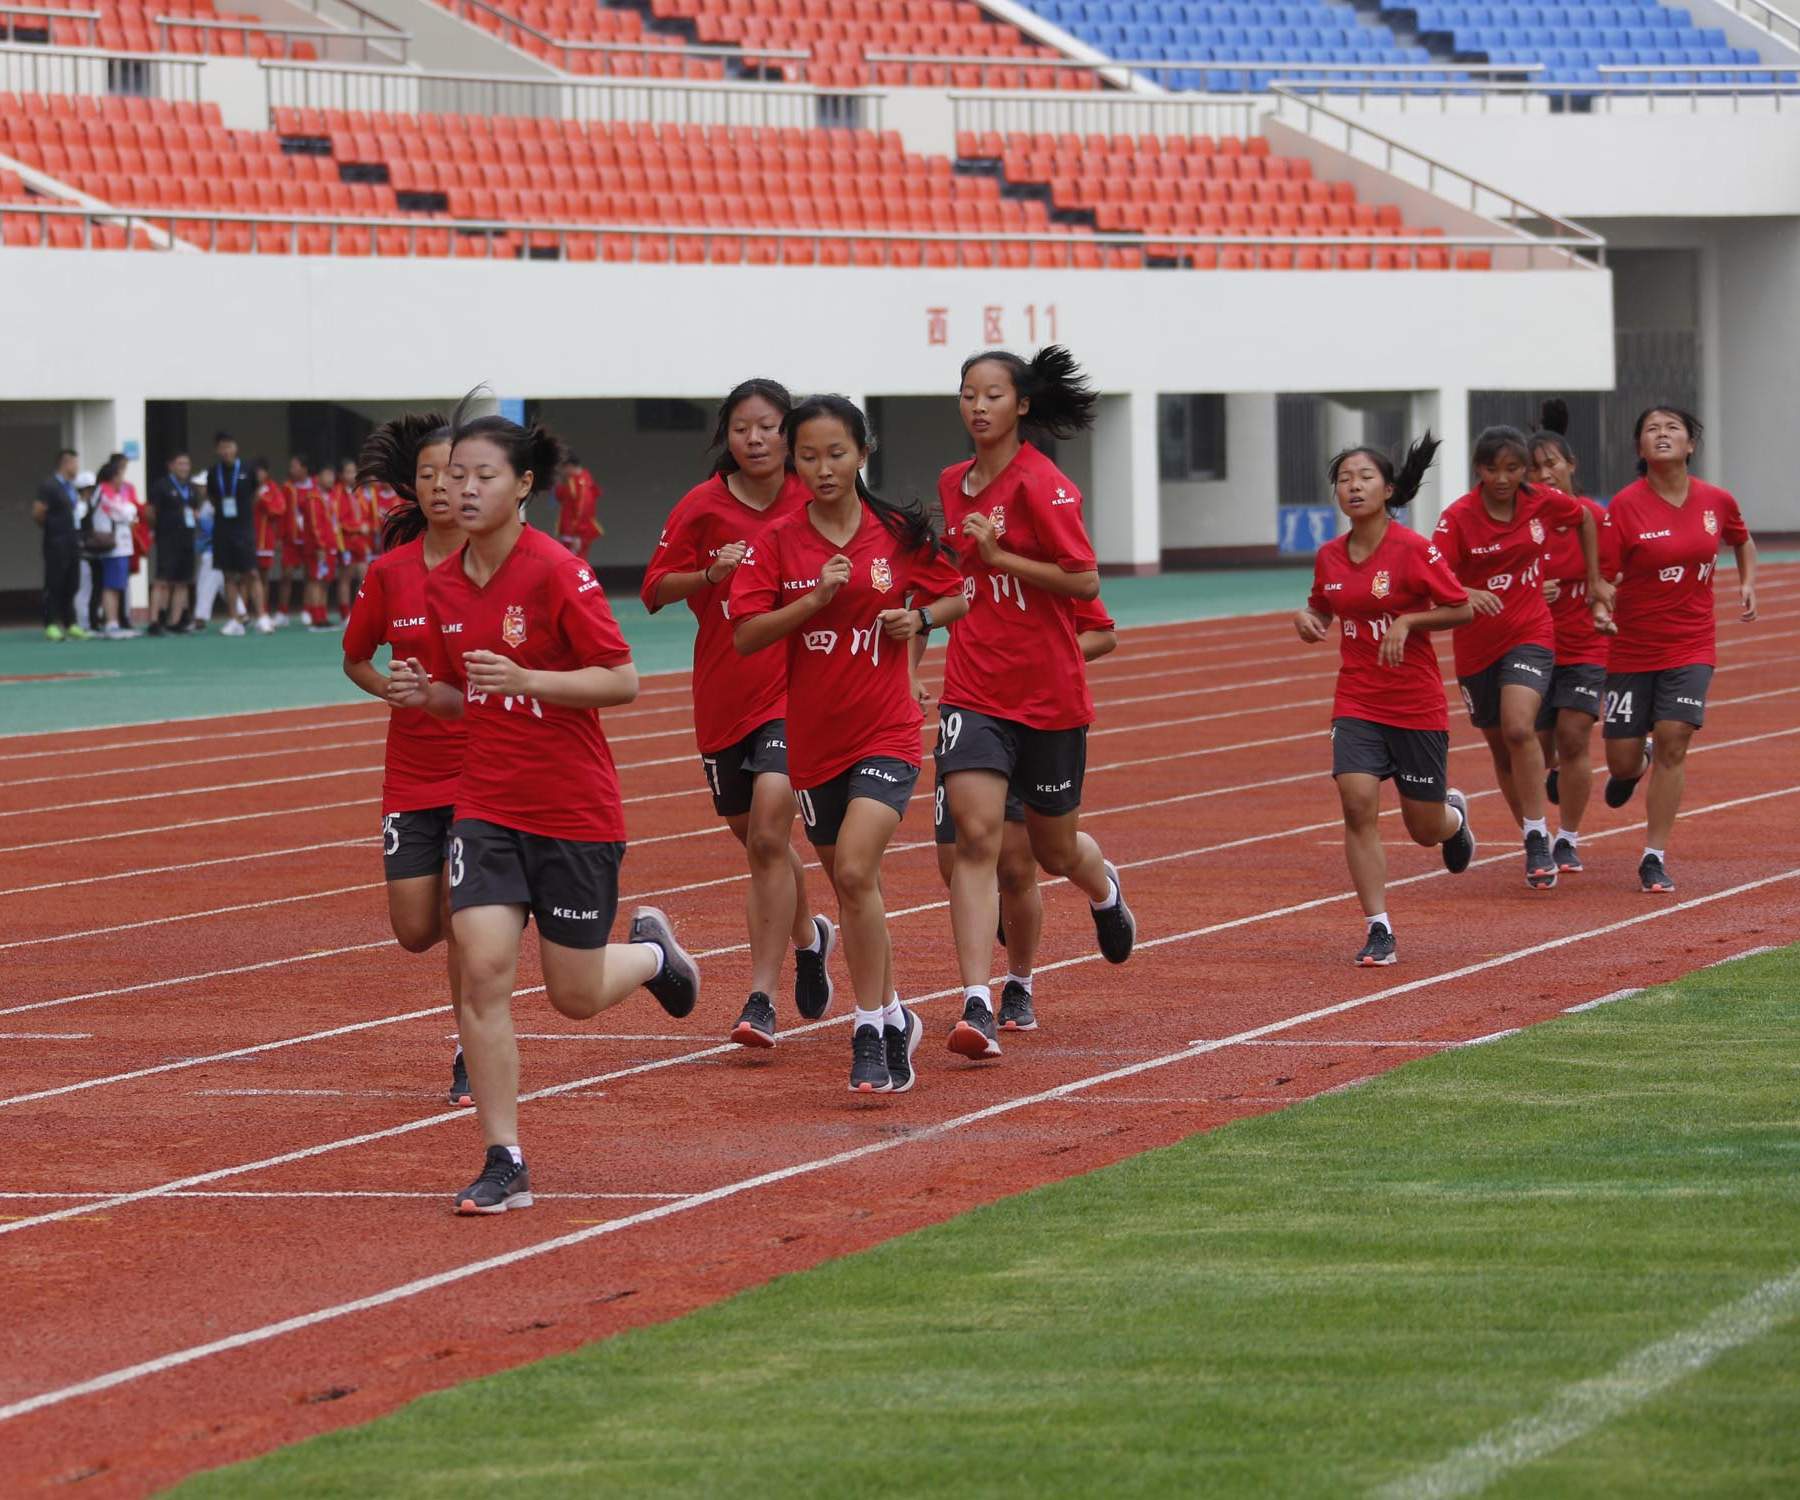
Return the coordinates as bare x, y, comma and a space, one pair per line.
1115, 926
974, 1034
676, 984
756, 1026
1553, 788
1459, 848
1016, 1013
901, 1042
1567, 856
1619, 788
460, 1093
812, 973
1540, 868
869, 1062
1379, 951
503, 1184
1653, 877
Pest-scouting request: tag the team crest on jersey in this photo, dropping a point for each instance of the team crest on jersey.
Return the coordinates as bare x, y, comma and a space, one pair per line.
1537, 531
512, 625
1710, 520
1380, 584
881, 575
998, 516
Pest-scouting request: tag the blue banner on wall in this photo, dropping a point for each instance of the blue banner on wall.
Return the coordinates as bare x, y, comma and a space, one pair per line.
513, 409
1303, 529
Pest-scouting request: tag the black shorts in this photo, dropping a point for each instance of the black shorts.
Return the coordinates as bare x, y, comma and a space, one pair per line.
943, 825
415, 843
1416, 760
1044, 768
880, 778
1580, 687
234, 549
731, 773
1522, 666
175, 558
1637, 700
570, 886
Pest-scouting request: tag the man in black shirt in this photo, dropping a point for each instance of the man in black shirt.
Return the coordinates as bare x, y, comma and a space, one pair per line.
172, 498
232, 486
57, 510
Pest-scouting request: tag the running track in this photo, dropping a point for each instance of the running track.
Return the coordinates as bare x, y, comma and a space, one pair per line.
224, 1216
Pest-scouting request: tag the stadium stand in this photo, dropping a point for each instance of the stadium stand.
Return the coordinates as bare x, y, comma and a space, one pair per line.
132, 26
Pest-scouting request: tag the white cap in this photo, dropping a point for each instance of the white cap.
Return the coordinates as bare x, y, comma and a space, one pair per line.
85, 480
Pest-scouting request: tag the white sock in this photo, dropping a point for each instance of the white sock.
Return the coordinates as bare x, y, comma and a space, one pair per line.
1462, 820
518, 1158
1382, 918
655, 950
1112, 896
458, 1057
978, 992
892, 1014
866, 1018
1573, 835
1535, 825
1022, 980
1657, 852
817, 941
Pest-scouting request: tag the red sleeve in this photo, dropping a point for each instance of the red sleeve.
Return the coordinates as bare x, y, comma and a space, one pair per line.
934, 576
439, 660
1090, 614
1565, 510
676, 552
1056, 513
1732, 529
1611, 563
1315, 601
756, 585
1437, 579
367, 626
1446, 543
579, 608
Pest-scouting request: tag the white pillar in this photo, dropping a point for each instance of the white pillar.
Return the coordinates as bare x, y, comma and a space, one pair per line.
1446, 413
1124, 505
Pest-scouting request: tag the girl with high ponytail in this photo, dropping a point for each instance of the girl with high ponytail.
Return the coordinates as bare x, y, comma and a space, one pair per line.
1388, 589
1015, 707
521, 646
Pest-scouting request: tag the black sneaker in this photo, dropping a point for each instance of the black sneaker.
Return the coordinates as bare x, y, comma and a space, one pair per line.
1566, 855
1540, 868
901, 1042
1553, 788
974, 1034
1653, 877
869, 1062
1459, 848
756, 1026
1379, 951
1619, 788
812, 974
503, 1184
461, 1095
156, 628
676, 984
1116, 927
1016, 1013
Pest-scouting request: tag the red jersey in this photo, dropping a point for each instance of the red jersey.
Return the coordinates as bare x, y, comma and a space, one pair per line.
271, 516
849, 685
1508, 561
1578, 643
354, 512
1667, 554
1014, 655
529, 765
732, 694
318, 521
424, 753
294, 539
1404, 575
578, 498
1090, 614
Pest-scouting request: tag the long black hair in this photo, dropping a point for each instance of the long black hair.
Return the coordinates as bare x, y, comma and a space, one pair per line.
772, 391
390, 455
535, 449
907, 524
1405, 480
1681, 413
1062, 399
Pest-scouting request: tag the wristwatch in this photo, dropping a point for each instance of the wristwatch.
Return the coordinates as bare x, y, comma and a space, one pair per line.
924, 619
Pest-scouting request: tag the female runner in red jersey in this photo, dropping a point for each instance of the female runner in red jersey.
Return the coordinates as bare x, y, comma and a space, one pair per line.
1388, 589
1493, 538
320, 547
1578, 682
1021, 900
270, 509
524, 648
847, 581
424, 753
1668, 528
1015, 707
358, 522
739, 704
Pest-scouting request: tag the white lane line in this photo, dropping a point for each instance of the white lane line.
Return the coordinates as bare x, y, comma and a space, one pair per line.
211, 911
182, 739
369, 709
46, 1036
248, 1337
132, 833
195, 864
1492, 1036
1603, 1000
1304, 1042
189, 791
595, 1036
254, 1193
143, 769
1747, 953
1584, 1406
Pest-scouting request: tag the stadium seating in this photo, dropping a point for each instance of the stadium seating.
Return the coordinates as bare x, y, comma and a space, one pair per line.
129, 26
588, 21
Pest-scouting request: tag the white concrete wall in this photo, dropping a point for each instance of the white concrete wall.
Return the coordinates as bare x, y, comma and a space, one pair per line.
1238, 510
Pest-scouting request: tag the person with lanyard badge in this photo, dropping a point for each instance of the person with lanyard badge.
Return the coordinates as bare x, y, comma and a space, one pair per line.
233, 488
57, 510
172, 503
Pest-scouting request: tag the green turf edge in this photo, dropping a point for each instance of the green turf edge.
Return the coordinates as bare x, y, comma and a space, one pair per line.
1304, 1303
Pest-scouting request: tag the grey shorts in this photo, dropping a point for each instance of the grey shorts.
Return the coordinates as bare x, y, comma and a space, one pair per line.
1637, 700
1522, 666
1415, 760
731, 773
1581, 687
880, 778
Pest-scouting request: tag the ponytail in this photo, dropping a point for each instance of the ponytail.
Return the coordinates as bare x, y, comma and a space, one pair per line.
907, 524
1553, 429
1061, 399
390, 455
535, 449
1405, 480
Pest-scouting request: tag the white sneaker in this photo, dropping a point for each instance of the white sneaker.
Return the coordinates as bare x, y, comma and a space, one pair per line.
264, 626
278, 620
119, 633
232, 627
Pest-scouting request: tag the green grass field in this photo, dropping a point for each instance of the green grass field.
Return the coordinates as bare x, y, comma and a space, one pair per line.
1314, 1302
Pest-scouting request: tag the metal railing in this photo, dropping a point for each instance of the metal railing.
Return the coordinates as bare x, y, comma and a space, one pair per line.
67, 70
35, 19
1402, 162
324, 40
1778, 23
660, 101
1512, 99
938, 70
1061, 112
377, 237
